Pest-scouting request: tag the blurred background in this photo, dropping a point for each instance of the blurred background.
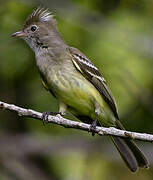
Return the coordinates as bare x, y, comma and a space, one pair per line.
117, 35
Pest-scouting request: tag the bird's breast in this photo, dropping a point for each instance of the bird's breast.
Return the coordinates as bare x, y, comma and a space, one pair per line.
72, 88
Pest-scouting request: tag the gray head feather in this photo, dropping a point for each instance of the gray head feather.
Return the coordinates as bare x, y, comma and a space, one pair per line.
40, 15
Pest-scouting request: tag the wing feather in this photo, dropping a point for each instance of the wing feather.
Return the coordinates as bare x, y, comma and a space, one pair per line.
91, 73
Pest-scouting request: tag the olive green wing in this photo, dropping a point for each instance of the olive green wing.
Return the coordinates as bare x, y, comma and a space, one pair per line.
92, 74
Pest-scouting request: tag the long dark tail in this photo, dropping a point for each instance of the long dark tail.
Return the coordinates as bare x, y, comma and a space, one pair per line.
129, 152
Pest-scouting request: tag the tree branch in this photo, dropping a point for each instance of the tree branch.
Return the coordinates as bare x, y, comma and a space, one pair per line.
58, 119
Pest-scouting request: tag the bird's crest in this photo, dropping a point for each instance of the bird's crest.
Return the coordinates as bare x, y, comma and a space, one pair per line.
40, 15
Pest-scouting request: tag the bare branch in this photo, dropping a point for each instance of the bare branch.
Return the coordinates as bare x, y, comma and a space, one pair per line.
77, 125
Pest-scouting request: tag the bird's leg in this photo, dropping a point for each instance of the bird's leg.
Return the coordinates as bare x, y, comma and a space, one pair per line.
93, 125
62, 110
95, 121
46, 114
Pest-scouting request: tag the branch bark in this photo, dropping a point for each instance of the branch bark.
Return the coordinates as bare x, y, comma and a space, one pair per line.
58, 119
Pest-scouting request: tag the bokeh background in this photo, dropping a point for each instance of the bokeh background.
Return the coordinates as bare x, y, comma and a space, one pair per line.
117, 35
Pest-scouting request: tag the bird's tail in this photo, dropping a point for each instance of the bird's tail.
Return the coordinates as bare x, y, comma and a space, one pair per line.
129, 152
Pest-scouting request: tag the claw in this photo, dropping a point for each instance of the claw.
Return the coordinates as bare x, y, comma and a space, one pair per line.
46, 114
45, 117
94, 124
93, 127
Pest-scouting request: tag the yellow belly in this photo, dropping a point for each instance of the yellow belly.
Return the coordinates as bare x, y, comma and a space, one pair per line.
80, 95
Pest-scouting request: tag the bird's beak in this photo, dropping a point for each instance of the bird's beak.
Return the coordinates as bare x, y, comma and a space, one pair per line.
18, 34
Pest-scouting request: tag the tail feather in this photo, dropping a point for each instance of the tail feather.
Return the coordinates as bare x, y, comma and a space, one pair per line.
125, 153
128, 150
139, 156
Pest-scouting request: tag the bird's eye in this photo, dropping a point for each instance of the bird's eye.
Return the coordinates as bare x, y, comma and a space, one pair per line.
33, 28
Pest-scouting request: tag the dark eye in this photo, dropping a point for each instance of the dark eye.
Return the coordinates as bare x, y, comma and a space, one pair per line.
33, 28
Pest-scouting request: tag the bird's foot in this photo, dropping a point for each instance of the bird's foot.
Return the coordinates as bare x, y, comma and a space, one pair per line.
93, 127
46, 114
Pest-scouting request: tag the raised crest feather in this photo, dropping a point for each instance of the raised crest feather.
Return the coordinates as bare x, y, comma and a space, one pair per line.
40, 15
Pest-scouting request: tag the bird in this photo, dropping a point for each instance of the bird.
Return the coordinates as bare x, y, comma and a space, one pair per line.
75, 82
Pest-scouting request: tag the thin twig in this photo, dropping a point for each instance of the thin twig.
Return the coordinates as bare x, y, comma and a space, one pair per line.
58, 119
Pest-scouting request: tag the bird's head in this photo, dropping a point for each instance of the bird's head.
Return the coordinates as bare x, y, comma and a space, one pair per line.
38, 28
